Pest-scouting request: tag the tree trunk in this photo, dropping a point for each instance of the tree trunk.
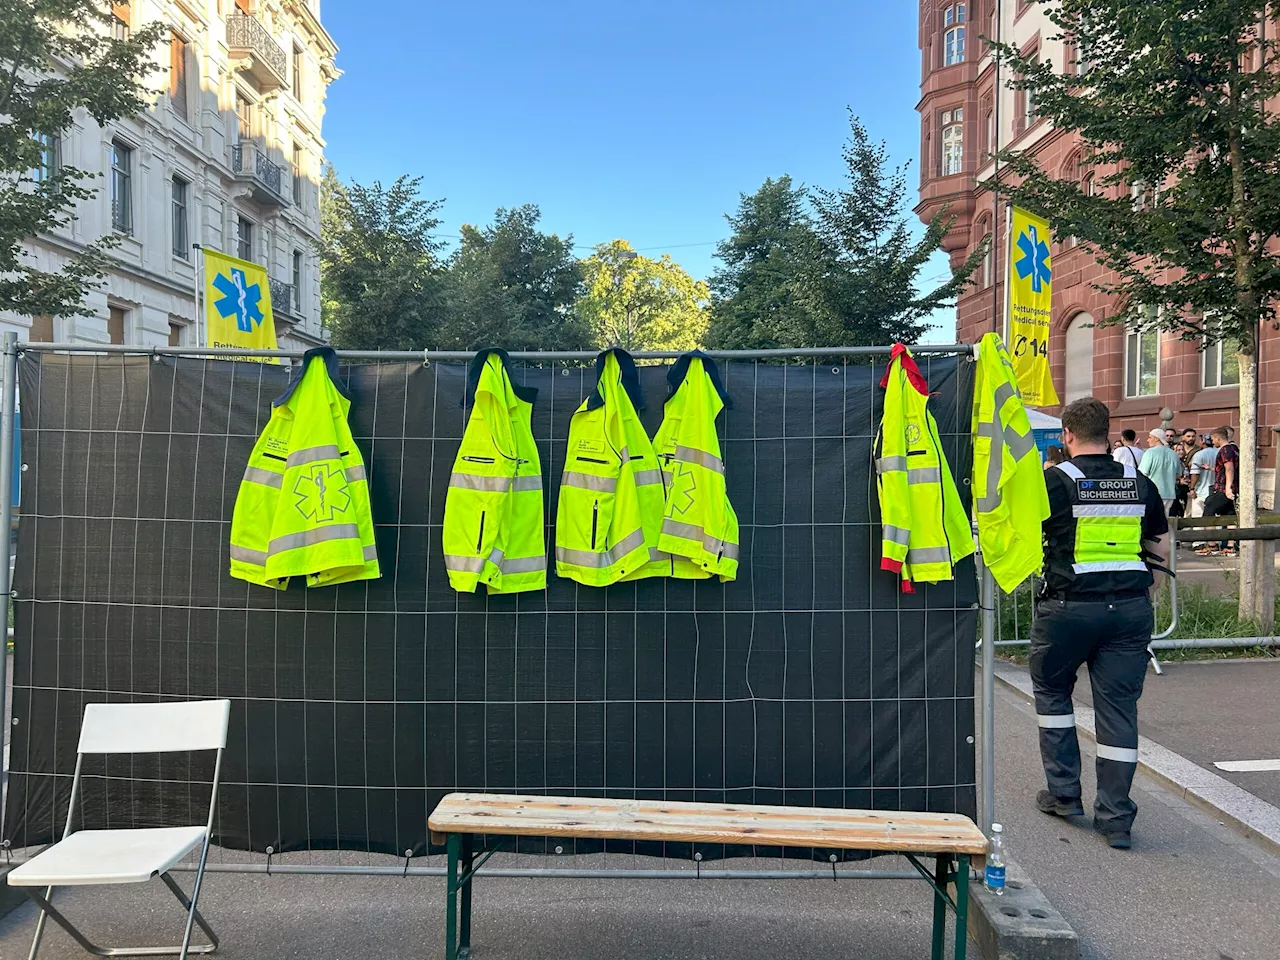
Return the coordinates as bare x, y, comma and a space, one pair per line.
1246, 483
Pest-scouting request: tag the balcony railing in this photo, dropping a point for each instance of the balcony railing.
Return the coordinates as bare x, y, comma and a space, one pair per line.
247, 38
281, 297
251, 163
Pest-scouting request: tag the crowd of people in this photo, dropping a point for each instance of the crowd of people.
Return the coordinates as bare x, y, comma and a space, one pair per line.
1196, 474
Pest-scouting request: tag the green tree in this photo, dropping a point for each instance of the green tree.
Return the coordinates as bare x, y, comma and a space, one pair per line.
512, 285
1178, 188
865, 282
759, 296
95, 73
382, 283
640, 303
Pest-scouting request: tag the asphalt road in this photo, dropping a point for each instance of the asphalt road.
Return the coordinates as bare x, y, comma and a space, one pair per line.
1214, 710
1189, 889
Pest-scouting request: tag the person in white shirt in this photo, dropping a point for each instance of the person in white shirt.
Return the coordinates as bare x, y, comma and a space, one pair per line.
1128, 453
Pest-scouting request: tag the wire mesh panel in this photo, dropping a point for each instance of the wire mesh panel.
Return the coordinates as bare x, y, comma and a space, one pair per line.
810, 680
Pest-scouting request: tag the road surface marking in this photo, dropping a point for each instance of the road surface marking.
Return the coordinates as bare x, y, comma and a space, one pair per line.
1247, 766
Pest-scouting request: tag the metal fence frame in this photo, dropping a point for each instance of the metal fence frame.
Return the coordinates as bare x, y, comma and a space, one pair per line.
986, 701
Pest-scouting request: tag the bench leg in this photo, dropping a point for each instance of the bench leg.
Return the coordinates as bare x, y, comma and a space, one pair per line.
962, 907
941, 868
451, 907
468, 860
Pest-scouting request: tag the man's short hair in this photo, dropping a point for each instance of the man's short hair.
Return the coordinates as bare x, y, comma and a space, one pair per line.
1223, 432
1089, 419
1128, 436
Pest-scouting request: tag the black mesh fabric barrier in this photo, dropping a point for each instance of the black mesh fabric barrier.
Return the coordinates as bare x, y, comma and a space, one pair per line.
810, 680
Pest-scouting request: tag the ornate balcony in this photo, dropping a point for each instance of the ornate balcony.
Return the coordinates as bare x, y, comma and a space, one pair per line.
260, 56
281, 297
252, 166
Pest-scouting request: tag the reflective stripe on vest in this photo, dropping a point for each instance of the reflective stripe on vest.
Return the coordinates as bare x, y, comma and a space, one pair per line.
1019, 446
605, 558
1104, 554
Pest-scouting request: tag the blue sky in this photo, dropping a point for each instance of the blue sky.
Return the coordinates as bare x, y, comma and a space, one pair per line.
618, 120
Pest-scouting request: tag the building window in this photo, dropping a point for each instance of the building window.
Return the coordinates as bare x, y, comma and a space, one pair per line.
244, 238
178, 75
181, 246
175, 333
120, 20
953, 20
297, 73
297, 282
50, 156
121, 187
1142, 359
952, 141
1221, 366
244, 118
986, 273
244, 7
297, 174
926, 168
116, 319
989, 131
1078, 355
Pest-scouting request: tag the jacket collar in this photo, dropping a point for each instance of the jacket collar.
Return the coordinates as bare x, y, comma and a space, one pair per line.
331, 368
680, 370
527, 394
630, 379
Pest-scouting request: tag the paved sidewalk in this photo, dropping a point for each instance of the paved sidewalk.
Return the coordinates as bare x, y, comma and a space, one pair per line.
1215, 710
1190, 889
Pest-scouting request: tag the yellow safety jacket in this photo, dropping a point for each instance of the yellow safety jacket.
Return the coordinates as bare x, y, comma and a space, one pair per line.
303, 505
926, 530
610, 471
493, 518
699, 527
1010, 498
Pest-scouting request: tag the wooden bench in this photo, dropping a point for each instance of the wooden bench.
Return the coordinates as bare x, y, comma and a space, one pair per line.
950, 838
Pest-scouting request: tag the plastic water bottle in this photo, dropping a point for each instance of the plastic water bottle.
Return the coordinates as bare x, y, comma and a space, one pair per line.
995, 861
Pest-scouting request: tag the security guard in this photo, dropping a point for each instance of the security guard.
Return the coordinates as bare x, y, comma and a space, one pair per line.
1106, 539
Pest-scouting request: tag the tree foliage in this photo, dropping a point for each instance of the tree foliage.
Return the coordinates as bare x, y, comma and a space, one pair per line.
382, 283
57, 57
759, 297
512, 285
1177, 188
827, 268
640, 303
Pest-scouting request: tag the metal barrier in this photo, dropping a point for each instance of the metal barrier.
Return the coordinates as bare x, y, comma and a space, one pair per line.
986, 702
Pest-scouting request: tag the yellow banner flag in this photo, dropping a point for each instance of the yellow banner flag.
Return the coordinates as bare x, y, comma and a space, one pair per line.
237, 305
1030, 307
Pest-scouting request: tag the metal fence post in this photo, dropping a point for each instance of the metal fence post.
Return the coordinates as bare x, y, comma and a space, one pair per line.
7, 406
988, 730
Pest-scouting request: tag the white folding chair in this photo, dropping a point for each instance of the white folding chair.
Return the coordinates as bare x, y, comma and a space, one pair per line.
90, 857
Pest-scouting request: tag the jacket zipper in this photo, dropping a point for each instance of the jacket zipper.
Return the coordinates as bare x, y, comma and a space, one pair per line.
480, 537
595, 521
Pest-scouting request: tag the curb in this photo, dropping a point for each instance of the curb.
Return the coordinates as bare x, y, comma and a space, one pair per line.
1022, 924
1234, 806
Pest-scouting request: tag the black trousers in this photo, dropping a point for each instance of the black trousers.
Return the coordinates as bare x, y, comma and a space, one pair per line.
1112, 639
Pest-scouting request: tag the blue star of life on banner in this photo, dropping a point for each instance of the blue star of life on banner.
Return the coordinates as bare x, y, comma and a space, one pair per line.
239, 299
1035, 259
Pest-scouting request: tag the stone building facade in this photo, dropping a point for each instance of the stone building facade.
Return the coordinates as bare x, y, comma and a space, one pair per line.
228, 156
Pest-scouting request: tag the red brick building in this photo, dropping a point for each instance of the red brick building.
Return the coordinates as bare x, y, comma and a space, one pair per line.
1136, 374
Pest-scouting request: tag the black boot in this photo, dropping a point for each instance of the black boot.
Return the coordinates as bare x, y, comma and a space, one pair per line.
1046, 802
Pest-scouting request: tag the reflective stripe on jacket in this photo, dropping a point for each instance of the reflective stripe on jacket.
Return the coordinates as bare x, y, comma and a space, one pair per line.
1010, 498
699, 526
303, 505
609, 466
1108, 530
925, 528
493, 517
